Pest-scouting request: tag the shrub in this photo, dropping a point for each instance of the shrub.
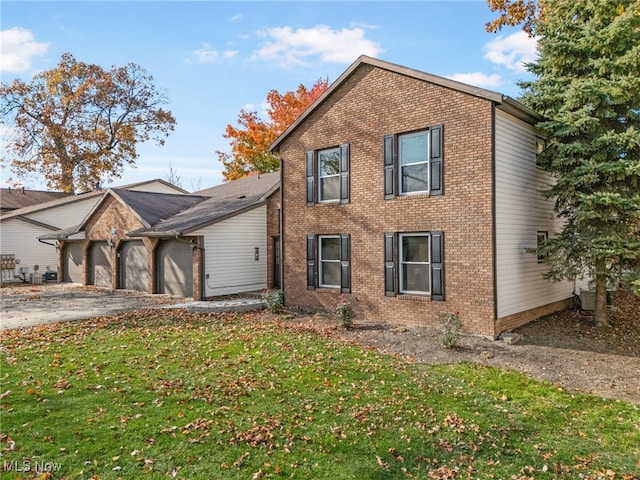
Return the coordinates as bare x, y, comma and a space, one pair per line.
451, 325
343, 312
273, 299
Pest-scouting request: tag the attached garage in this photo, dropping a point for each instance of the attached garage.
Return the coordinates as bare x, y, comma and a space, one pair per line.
72, 258
134, 267
100, 264
175, 268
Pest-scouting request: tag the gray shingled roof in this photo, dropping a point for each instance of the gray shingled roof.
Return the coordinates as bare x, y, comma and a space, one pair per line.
225, 201
152, 207
14, 198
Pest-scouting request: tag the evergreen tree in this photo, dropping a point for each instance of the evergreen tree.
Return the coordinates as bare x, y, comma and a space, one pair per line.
587, 86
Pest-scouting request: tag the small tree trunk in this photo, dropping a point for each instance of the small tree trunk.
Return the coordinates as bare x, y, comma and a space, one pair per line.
600, 315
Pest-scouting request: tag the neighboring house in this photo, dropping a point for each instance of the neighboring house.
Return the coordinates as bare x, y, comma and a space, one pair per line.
415, 196
20, 229
15, 198
210, 243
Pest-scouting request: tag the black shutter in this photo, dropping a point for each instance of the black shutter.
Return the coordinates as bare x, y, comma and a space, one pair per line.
390, 265
344, 173
435, 161
389, 166
311, 262
437, 266
345, 263
310, 164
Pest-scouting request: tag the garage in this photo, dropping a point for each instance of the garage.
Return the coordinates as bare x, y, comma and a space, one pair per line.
175, 268
100, 264
72, 258
134, 267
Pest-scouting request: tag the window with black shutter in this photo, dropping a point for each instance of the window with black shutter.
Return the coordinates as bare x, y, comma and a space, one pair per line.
327, 175
413, 163
329, 262
414, 264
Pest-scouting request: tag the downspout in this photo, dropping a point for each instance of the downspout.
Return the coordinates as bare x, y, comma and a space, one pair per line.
47, 243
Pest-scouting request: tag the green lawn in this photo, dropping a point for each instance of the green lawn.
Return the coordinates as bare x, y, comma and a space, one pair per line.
196, 396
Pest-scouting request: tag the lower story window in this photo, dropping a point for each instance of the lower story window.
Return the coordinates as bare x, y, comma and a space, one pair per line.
329, 261
414, 263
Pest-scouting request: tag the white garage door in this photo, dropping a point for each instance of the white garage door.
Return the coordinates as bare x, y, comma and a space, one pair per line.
134, 269
72, 262
175, 268
100, 264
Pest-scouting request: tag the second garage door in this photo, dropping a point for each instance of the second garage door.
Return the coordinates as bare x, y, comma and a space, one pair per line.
100, 264
175, 268
134, 267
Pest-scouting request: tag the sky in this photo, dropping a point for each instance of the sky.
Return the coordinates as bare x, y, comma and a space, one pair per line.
214, 58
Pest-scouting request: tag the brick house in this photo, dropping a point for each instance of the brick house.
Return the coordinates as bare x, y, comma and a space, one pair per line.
414, 196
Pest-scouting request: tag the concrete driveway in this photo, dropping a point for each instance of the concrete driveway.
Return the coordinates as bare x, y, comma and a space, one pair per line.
29, 305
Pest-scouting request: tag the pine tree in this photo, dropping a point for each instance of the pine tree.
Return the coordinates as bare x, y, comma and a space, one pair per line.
587, 86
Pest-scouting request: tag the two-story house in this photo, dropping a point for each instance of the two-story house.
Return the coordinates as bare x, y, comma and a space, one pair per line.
415, 195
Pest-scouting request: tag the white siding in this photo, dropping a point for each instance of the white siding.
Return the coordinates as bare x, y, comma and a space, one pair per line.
229, 249
65, 216
20, 238
521, 212
155, 187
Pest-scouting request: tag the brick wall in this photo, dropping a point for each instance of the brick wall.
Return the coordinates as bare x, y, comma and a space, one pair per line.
371, 104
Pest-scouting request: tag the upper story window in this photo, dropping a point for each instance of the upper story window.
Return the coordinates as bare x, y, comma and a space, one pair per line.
413, 163
327, 175
413, 150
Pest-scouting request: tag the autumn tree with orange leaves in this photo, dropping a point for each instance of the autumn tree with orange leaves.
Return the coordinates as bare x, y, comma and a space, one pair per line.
251, 140
78, 125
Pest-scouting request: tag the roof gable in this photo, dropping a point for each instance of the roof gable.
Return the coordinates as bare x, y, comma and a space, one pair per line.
148, 207
505, 102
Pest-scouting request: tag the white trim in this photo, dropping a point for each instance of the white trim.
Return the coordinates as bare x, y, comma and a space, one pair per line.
402, 263
321, 261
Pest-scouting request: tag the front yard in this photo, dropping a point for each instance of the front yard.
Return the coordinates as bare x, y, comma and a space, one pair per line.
171, 394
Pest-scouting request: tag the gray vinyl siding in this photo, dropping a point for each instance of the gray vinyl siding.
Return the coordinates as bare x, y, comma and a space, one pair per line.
65, 216
521, 212
229, 254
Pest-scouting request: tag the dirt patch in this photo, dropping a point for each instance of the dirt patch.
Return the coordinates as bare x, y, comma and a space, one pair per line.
565, 348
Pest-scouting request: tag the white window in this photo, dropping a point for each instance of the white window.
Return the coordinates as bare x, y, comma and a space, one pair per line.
329, 174
414, 263
329, 261
413, 152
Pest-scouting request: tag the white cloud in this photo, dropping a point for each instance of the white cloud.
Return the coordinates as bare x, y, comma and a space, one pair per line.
512, 51
18, 47
236, 17
291, 47
478, 79
206, 54
229, 53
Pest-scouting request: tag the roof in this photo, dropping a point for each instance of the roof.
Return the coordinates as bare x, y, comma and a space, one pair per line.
76, 198
507, 103
260, 184
149, 207
14, 198
224, 201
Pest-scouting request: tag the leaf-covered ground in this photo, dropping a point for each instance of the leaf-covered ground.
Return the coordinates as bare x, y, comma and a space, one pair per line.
173, 394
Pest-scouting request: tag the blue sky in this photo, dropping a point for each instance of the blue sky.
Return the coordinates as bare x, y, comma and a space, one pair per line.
215, 58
